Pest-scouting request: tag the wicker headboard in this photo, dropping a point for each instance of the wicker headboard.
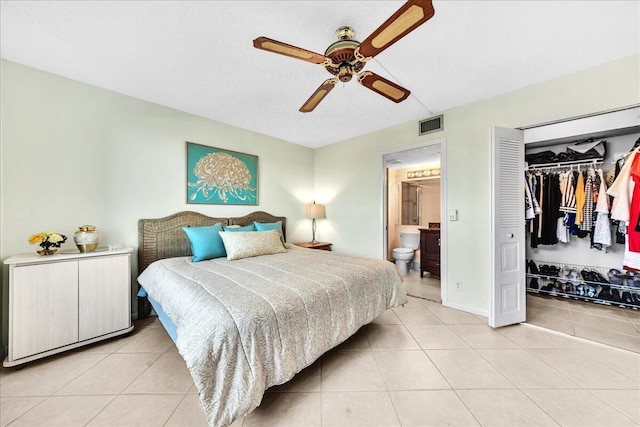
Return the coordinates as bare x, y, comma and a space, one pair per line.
160, 238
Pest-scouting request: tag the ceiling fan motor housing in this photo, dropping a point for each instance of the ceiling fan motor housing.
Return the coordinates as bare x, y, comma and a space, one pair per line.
341, 54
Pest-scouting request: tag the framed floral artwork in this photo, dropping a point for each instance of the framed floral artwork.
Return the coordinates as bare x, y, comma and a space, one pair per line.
218, 176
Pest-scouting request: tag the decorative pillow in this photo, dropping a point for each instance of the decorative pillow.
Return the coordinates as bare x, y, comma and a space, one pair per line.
250, 244
234, 228
206, 242
265, 226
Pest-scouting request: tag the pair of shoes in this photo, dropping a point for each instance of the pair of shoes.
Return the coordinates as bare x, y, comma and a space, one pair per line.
627, 298
616, 277
633, 279
547, 288
614, 295
549, 270
593, 277
533, 268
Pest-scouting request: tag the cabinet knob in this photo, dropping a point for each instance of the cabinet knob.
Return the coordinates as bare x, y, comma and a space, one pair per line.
510, 235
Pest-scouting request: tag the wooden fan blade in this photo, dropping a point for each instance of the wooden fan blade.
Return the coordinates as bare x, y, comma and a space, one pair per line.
384, 87
288, 50
406, 19
318, 96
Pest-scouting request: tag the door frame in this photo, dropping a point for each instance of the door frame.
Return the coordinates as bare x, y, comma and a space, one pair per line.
442, 142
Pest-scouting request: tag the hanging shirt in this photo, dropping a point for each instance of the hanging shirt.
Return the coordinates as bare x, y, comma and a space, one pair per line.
587, 209
568, 190
633, 235
622, 190
580, 197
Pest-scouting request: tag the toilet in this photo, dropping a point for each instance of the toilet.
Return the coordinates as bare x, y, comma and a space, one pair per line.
410, 241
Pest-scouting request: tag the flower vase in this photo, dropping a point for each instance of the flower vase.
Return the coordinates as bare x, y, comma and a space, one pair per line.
86, 238
47, 251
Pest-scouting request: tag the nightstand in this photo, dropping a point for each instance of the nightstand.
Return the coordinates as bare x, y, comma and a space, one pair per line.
323, 246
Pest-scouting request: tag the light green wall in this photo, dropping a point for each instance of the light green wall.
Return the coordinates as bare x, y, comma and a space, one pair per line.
73, 154
348, 174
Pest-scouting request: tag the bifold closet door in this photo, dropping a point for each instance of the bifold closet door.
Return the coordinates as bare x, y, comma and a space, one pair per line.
508, 285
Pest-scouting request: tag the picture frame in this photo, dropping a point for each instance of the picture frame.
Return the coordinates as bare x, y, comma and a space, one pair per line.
221, 177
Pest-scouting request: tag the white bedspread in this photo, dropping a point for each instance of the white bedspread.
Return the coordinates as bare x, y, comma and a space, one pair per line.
246, 325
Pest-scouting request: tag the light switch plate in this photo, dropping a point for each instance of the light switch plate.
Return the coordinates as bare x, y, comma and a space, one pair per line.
453, 214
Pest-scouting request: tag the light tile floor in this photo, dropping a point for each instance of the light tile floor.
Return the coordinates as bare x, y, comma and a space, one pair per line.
427, 287
619, 327
422, 364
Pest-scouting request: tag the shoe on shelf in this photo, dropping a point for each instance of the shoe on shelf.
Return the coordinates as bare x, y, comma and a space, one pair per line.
633, 279
586, 275
533, 268
616, 277
599, 278
614, 295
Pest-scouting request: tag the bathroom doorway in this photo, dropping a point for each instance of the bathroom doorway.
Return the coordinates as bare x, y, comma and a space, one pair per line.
413, 199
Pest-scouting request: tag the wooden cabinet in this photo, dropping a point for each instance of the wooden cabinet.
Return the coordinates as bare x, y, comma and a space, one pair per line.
323, 246
430, 251
65, 301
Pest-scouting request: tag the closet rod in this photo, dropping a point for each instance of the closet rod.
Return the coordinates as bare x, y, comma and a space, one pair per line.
593, 162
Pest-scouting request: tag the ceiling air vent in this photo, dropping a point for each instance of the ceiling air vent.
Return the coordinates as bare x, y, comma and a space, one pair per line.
434, 124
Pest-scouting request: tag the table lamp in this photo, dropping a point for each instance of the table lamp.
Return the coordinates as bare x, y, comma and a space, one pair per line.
314, 211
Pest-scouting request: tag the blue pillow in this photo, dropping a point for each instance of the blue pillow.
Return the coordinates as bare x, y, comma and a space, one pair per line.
266, 226
206, 242
245, 228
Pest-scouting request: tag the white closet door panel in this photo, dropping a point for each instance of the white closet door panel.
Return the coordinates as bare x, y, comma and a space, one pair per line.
44, 307
104, 289
508, 294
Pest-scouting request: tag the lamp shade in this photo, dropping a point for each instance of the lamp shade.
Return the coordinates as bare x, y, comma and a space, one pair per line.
314, 211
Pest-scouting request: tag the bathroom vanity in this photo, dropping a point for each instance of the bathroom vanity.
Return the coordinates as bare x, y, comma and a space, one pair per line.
430, 251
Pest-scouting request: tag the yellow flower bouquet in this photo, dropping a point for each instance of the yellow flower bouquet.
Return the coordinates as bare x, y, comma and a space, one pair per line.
48, 240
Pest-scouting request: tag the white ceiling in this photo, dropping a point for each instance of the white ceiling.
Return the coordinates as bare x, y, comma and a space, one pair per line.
198, 56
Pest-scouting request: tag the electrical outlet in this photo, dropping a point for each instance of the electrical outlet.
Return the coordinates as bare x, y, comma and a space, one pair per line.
458, 285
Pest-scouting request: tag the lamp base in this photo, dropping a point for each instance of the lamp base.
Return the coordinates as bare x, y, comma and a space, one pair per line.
313, 230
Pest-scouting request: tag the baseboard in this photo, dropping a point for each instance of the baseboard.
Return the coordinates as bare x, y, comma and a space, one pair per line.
472, 310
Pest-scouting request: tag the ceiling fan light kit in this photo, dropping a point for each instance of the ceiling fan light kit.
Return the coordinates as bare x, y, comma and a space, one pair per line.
347, 57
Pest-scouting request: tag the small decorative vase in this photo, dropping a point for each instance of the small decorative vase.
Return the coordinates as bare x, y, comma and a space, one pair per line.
47, 251
86, 238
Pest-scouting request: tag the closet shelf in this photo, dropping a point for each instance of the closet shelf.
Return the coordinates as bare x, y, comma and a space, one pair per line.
569, 282
593, 162
621, 304
587, 282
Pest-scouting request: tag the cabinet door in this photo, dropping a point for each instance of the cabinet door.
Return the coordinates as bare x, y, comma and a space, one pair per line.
432, 245
104, 295
44, 307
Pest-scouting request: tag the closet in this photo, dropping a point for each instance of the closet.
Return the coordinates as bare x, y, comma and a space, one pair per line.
573, 251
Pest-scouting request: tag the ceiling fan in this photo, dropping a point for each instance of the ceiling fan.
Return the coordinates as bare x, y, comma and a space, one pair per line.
347, 57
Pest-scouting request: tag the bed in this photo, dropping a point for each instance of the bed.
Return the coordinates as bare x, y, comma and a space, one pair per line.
248, 324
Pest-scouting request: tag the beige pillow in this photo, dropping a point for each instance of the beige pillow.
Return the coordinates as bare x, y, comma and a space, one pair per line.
245, 244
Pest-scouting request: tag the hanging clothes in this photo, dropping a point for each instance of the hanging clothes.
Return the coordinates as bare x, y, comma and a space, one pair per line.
587, 209
580, 198
602, 231
568, 191
551, 205
622, 191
